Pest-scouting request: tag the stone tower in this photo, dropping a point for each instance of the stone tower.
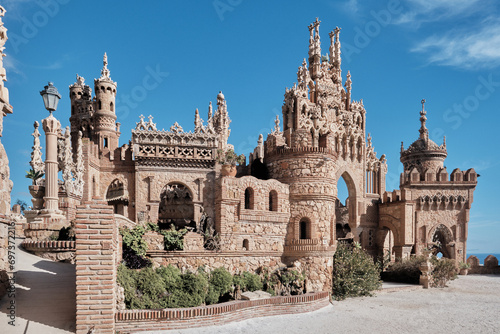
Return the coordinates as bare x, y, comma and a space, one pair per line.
95, 117
106, 134
323, 140
431, 208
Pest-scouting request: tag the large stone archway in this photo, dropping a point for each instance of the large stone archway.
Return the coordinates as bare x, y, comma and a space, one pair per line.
346, 216
441, 240
176, 206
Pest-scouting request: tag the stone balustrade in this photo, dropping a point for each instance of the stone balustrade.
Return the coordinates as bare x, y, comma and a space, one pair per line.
48, 246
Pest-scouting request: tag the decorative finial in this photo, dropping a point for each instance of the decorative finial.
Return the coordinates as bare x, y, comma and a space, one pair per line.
424, 133
105, 72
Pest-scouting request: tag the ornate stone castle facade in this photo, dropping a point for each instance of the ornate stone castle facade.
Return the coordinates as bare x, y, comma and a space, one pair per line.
282, 207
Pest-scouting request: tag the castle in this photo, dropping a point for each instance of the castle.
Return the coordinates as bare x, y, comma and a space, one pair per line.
281, 208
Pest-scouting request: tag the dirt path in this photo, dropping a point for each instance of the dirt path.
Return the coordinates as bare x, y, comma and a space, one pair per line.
45, 297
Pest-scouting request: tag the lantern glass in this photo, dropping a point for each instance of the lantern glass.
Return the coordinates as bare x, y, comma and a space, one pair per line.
50, 97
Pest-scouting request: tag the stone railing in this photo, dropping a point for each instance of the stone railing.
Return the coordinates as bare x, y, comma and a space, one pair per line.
127, 321
48, 246
490, 265
301, 150
304, 246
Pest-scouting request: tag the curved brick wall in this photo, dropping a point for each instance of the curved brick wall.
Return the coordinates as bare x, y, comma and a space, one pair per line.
141, 320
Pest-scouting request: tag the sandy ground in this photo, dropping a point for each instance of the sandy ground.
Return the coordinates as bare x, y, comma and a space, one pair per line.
470, 304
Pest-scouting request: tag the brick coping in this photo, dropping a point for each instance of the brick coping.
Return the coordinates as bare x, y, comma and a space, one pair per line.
220, 313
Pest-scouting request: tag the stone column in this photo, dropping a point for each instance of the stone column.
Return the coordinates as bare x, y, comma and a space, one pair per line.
51, 126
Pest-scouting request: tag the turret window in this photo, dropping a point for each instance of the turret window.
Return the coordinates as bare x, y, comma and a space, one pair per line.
249, 198
304, 229
99, 105
105, 142
111, 107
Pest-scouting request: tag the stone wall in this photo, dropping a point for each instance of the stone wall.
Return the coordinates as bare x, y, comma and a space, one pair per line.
490, 265
131, 321
96, 266
234, 262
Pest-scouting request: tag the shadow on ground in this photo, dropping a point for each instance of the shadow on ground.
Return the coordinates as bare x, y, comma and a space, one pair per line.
45, 293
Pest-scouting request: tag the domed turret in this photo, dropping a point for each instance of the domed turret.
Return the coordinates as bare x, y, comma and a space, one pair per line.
424, 154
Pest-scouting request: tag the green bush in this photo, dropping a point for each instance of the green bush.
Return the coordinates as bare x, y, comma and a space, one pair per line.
221, 282
132, 238
248, 281
192, 292
173, 239
143, 289
443, 271
354, 272
404, 271
171, 277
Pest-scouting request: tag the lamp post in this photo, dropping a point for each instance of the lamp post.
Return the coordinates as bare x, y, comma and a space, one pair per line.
51, 127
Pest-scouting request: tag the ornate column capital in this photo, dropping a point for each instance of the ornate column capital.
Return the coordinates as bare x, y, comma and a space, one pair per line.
51, 125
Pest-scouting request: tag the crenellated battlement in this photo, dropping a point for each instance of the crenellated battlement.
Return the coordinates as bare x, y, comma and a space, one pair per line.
414, 177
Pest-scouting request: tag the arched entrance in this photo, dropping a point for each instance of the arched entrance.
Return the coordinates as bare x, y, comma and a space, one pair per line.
117, 196
176, 206
345, 204
442, 242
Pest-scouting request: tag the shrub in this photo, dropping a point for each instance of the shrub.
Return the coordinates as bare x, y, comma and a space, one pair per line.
221, 282
132, 238
354, 273
443, 271
404, 271
173, 239
248, 281
193, 291
134, 261
171, 277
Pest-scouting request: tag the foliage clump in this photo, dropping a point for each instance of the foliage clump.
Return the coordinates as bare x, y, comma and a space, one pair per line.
134, 247
284, 281
247, 281
354, 272
229, 157
405, 271
443, 270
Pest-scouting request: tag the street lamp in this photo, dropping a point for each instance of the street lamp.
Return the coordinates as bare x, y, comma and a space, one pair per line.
50, 97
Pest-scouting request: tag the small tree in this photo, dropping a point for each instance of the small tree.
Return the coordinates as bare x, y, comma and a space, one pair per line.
354, 272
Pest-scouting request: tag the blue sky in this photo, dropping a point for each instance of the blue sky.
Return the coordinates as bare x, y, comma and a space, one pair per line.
171, 57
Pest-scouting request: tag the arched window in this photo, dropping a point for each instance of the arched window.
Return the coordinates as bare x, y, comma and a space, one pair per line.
246, 245
304, 229
111, 107
99, 105
273, 200
249, 198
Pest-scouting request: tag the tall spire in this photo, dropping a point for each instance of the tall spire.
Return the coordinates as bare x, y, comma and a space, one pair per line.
348, 84
424, 133
105, 72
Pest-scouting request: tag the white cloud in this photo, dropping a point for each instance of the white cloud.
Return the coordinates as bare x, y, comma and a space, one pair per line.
475, 48
351, 6
421, 11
